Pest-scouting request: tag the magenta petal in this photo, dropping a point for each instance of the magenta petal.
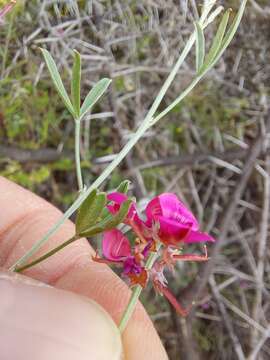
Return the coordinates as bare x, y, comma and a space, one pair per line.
115, 246
153, 209
196, 236
168, 205
171, 231
117, 199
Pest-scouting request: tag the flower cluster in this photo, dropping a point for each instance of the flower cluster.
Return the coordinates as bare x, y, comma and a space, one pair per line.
167, 224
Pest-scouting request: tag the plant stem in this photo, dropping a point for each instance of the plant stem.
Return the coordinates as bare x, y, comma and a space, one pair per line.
77, 154
136, 292
47, 255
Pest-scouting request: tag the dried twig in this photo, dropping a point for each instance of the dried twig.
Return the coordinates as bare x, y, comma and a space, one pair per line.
225, 223
236, 343
262, 239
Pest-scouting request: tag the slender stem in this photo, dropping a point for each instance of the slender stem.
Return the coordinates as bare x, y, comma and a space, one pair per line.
77, 154
47, 255
178, 99
136, 292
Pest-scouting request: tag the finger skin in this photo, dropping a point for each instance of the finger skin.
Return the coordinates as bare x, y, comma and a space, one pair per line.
25, 219
41, 322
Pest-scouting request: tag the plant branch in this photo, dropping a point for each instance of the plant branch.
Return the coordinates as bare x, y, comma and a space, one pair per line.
136, 292
47, 255
77, 154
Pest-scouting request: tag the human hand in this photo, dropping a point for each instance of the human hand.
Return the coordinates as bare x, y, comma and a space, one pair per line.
41, 322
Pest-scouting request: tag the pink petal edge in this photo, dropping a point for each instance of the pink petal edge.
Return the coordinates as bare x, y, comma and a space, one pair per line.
115, 245
197, 236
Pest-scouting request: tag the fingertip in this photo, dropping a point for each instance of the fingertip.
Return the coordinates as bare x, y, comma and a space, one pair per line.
96, 281
141, 338
41, 322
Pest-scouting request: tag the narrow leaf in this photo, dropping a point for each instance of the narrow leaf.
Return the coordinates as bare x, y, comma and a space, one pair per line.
81, 218
217, 42
109, 221
57, 80
90, 211
207, 7
94, 94
76, 83
213, 15
232, 30
119, 217
90, 214
123, 187
200, 46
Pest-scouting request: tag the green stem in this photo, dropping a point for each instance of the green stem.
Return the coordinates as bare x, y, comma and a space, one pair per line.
136, 292
47, 255
77, 154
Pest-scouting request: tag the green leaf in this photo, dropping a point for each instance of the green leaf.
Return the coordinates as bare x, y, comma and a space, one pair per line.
94, 94
230, 33
94, 230
109, 221
217, 42
232, 30
123, 187
76, 83
90, 210
119, 217
200, 46
57, 80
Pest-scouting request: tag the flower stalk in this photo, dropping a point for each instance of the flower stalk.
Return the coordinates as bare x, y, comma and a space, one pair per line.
47, 255
136, 292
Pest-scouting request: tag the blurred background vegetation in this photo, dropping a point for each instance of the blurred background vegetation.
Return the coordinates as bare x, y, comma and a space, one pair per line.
198, 151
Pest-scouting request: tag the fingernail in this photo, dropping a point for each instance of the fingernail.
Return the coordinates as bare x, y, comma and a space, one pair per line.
42, 322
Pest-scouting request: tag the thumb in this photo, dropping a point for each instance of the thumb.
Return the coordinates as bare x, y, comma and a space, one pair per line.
40, 322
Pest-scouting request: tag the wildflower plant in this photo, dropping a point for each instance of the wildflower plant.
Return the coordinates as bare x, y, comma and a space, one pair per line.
155, 240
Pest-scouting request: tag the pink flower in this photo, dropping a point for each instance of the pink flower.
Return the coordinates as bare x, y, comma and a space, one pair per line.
116, 200
176, 223
167, 220
116, 249
115, 246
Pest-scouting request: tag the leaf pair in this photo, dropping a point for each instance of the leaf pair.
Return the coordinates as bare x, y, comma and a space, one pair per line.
93, 217
220, 42
204, 62
73, 105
